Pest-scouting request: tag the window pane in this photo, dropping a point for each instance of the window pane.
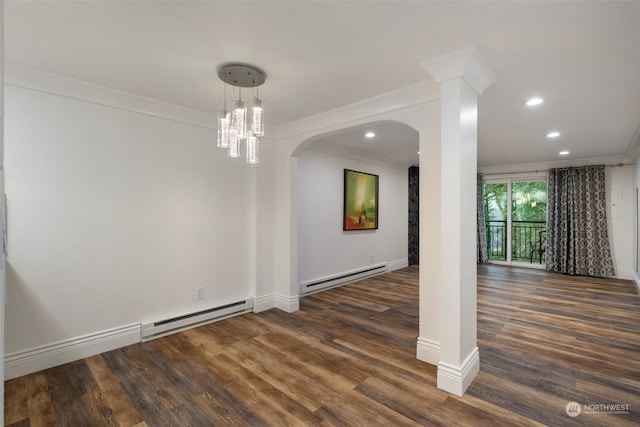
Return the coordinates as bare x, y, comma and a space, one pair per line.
529, 219
495, 215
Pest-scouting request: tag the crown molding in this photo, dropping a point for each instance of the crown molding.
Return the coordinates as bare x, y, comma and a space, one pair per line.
54, 84
465, 63
633, 152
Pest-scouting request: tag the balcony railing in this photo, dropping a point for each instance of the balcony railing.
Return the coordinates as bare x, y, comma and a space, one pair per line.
527, 240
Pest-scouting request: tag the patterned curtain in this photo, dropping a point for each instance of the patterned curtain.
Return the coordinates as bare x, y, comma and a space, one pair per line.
482, 255
577, 239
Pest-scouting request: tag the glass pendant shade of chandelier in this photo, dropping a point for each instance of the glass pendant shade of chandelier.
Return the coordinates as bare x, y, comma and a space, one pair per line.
223, 129
257, 122
240, 119
234, 144
233, 128
253, 150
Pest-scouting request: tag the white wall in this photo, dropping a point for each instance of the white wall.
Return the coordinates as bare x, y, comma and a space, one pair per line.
637, 224
620, 219
116, 214
324, 249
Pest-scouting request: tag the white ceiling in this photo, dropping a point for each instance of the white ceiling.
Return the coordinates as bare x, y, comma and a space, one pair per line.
393, 142
582, 57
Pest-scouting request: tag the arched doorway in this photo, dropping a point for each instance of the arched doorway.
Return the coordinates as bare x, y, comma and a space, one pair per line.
327, 253
417, 107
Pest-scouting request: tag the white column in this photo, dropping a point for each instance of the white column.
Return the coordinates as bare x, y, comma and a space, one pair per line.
463, 76
286, 231
430, 333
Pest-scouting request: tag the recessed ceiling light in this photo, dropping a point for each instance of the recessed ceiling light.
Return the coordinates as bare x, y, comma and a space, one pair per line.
532, 102
369, 134
553, 134
418, 152
563, 153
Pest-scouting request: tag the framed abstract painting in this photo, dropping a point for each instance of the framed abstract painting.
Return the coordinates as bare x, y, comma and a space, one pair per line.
360, 201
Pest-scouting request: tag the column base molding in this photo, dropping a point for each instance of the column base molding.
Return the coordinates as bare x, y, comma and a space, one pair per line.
456, 379
275, 300
428, 351
286, 303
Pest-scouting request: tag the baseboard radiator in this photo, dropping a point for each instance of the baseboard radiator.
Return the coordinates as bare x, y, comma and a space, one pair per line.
341, 279
180, 323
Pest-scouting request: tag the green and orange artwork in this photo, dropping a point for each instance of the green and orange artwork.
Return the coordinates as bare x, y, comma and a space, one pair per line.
360, 201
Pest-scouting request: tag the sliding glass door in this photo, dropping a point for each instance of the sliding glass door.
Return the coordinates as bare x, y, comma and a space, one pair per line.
516, 220
496, 214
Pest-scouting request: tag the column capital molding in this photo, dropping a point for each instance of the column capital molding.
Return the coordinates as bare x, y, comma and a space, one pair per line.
464, 63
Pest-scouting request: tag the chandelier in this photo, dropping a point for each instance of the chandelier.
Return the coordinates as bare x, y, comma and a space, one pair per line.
236, 127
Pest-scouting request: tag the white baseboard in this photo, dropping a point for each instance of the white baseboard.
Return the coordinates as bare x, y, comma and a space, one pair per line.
428, 351
398, 264
39, 358
288, 304
628, 274
456, 379
281, 302
624, 273
264, 303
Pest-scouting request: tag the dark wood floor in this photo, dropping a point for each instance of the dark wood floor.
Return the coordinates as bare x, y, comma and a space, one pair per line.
348, 358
